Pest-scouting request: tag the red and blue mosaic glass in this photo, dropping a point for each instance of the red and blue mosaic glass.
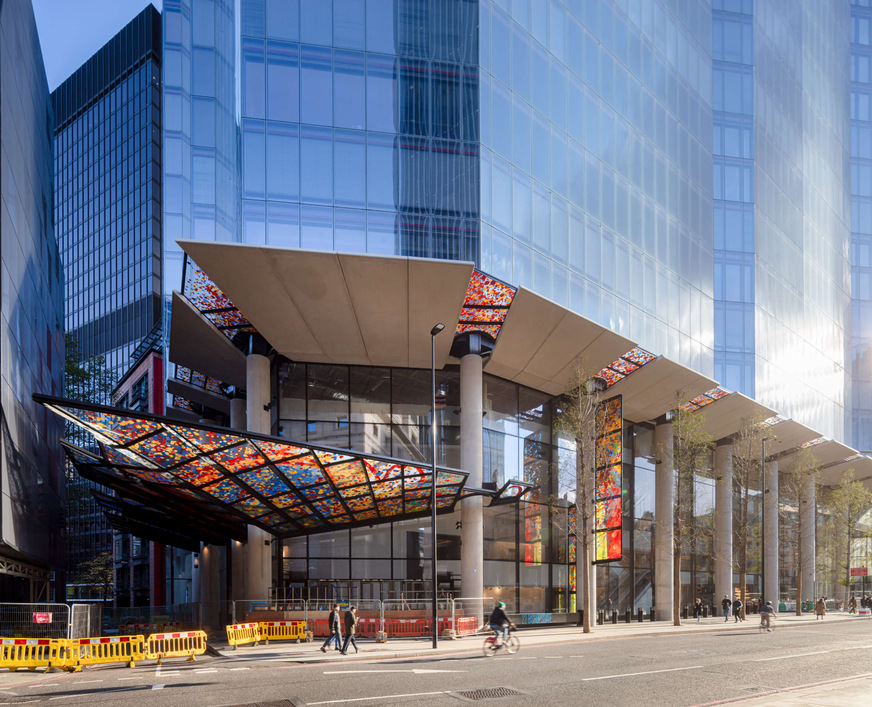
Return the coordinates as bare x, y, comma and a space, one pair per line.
382, 471
328, 507
206, 440
485, 306
198, 472
225, 491
608, 487
276, 452
302, 471
251, 507
347, 474
239, 458
264, 482
314, 492
165, 449
331, 457
626, 365
118, 428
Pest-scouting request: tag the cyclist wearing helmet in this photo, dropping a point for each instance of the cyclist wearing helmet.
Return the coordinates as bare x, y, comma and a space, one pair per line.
499, 623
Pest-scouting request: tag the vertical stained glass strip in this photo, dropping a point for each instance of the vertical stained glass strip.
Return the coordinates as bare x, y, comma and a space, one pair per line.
607, 493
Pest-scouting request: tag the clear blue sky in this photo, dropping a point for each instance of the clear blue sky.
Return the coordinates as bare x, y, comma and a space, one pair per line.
71, 31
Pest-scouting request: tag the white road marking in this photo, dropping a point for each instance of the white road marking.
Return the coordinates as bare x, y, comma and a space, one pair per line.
646, 672
157, 687
239, 668
43, 684
416, 671
802, 655
137, 677
377, 697
83, 682
206, 670
528, 657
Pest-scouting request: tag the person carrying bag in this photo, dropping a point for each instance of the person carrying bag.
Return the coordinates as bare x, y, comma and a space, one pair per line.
350, 619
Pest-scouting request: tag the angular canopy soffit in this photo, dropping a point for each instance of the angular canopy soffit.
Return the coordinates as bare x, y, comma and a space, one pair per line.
731, 414
197, 344
340, 308
540, 341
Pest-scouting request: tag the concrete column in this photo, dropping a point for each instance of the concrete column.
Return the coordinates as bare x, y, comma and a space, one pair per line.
195, 577
808, 511
237, 413
209, 585
664, 522
258, 565
724, 522
471, 459
770, 533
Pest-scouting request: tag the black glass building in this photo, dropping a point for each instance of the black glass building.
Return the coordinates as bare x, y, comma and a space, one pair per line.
108, 193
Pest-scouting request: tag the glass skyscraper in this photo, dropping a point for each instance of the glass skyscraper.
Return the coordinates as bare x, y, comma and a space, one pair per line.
676, 171
108, 192
31, 321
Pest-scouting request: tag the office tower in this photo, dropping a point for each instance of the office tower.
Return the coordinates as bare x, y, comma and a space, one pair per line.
861, 223
108, 220
108, 194
31, 321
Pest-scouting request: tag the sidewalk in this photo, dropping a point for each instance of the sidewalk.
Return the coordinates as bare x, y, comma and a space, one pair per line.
546, 635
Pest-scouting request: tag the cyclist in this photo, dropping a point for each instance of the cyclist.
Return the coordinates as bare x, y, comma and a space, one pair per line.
766, 612
499, 623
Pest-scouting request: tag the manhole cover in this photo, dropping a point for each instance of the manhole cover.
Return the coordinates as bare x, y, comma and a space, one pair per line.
489, 693
755, 689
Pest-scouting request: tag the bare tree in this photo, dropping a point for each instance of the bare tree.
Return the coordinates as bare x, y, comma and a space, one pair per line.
691, 454
576, 418
846, 504
794, 487
747, 462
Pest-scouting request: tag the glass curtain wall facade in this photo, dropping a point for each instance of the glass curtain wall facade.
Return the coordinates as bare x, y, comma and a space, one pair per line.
801, 223
529, 551
107, 193
31, 320
861, 223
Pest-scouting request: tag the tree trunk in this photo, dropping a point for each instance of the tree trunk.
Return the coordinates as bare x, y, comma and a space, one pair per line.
585, 580
799, 560
676, 558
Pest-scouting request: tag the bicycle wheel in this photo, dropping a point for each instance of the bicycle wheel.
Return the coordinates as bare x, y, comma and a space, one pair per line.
512, 644
489, 648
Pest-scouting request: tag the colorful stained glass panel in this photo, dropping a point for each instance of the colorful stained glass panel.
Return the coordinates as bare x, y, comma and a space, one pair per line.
165, 449
251, 507
608, 450
239, 458
116, 427
386, 489
276, 452
329, 506
206, 440
608, 514
225, 491
382, 471
608, 482
607, 495
264, 482
314, 492
302, 471
347, 474
198, 472
332, 457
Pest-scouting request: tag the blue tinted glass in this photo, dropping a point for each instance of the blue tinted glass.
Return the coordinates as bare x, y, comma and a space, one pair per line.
502, 194
380, 232
380, 26
380, 171
204, 71
316, 84
522, 219
501, 48
253, 78
501, 112
349, 227
521, 132
283, 81
521, 63
348, 23
316, 165
203, 122
253, 221
541, 150
316, 228
540, 80
283, 162
349, 154
380, 90
316, 22
446, 100
253, 171
283, 225
558, 96
252, 18
349, 91
283, 19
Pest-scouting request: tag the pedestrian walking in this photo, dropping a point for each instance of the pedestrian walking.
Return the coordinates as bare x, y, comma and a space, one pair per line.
820, 608
350, 620
852, 605
737, 610
725, 606
334, 630
697, 609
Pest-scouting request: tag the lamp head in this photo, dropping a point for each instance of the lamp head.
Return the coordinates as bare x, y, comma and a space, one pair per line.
436, 329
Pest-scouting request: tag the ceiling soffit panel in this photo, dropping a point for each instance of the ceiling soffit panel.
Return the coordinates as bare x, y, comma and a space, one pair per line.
729, 415
316, 285
651, 391
245, 276
827, 452
197, 344
379, 292
437, 290
786, 435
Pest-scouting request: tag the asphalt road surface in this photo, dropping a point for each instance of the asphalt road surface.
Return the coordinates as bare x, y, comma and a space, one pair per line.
703, 668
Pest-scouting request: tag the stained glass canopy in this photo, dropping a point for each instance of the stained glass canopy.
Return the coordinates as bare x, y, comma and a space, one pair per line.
287, 488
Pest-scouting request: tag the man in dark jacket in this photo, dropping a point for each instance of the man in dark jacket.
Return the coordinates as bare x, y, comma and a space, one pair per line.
335, 632
499, 622
725, 605
350, 620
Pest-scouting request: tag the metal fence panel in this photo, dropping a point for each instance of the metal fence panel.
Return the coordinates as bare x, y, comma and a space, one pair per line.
80, 623
34, 620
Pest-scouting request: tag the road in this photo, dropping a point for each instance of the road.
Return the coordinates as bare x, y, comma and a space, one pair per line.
679, 670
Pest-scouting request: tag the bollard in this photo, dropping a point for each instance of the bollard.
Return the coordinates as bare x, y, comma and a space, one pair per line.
581, 617
683, 612
600, 617
704, 611
651, 614
614, 616
628, 616
640, 616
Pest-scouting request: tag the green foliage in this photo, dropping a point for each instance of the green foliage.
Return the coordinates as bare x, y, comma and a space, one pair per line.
845, 505
97, 575
88, 380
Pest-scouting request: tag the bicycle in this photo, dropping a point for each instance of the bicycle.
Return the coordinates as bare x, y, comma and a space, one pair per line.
510, 645
763, 628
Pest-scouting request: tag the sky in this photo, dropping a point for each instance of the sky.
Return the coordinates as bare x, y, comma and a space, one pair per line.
71, 31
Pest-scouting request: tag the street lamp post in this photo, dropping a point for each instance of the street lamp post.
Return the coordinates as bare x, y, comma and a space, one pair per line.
763, 516
433, 332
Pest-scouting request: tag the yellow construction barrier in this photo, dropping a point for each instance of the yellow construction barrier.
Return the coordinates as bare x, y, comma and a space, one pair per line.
33, 653
238, 634
175, 645
282, 631
117, 649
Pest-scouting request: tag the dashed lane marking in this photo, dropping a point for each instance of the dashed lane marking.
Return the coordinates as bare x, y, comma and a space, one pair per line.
377, 697
645, 672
